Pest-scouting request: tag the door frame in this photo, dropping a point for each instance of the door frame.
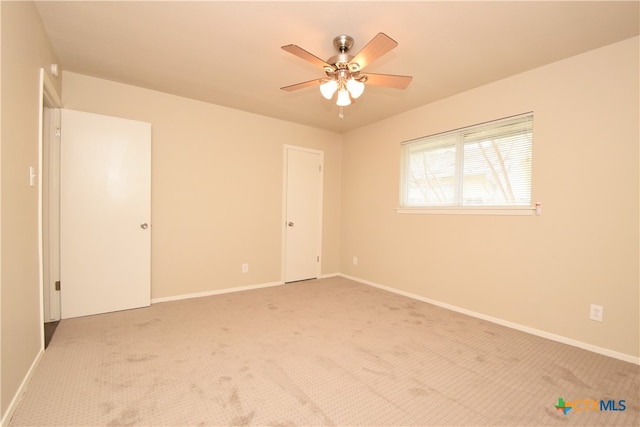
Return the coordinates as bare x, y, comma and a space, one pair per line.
51, 213
283, 256
49, 98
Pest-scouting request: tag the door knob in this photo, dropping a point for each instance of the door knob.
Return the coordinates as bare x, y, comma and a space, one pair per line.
144, 226
290, 224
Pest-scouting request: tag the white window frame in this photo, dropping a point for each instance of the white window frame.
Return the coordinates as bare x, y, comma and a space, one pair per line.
457, 207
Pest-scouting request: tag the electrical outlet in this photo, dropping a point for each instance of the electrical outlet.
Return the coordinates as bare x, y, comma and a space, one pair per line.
596, 312
245, 268
355, 260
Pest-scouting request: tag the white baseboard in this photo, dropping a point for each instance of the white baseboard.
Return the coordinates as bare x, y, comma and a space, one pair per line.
214, 292
558, 338
227, 290
11, 409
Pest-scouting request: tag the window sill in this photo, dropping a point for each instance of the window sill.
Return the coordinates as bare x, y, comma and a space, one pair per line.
458, 210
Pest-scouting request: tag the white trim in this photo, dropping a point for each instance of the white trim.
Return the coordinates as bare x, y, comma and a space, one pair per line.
47, 97
548, 335
41, 100
11, 409
214, 292
283, 231
517, 211
53, 184
50, 96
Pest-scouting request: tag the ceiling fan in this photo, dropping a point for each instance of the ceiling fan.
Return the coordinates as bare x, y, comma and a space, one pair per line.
344, 71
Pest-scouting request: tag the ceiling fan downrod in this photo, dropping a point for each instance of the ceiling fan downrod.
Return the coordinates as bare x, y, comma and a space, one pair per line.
341, 61
343, 43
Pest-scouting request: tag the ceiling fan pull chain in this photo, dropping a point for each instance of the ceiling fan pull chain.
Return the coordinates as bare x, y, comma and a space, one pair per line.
341, 112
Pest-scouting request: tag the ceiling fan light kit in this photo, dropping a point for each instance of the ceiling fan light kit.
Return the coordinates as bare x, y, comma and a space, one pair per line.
343, 98
355, 87
328, 88
343, 71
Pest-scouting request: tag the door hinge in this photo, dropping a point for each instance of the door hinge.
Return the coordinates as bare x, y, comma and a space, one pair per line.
319, 168
318, 258
58, 133
58, 285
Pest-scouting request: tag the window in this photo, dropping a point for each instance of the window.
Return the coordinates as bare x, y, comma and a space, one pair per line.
481, 166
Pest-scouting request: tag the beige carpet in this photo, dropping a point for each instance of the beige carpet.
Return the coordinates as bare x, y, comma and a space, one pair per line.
325, 352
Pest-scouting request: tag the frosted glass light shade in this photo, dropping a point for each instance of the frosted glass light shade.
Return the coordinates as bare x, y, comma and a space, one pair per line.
355, 87
327, 89
343, 98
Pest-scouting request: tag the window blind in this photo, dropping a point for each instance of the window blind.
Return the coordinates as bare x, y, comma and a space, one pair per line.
483, 165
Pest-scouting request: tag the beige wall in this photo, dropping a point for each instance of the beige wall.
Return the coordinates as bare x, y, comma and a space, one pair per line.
25, 49
540, 272
216, 185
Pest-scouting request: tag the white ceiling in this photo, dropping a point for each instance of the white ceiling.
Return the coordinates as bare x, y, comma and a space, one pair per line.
228, 53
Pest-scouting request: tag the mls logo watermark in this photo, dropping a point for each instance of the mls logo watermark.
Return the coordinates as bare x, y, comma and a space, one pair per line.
583, 405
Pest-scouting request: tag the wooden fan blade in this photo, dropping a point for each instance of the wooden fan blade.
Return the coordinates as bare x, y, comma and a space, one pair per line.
378, 46
302, 85
303, 54
388, 80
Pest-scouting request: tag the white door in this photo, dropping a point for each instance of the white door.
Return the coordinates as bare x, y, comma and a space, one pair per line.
105, 205
303, 223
